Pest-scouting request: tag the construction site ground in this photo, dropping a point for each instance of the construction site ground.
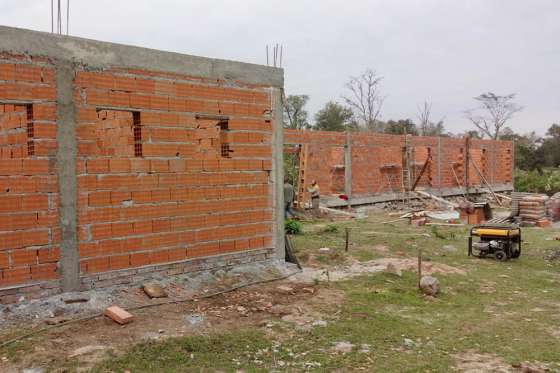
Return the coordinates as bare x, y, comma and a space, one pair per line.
344, 312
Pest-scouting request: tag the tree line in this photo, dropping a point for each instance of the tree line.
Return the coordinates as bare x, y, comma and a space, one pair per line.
362, 103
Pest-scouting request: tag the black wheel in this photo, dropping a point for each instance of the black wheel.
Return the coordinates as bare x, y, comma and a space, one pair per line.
515, 250
500, 255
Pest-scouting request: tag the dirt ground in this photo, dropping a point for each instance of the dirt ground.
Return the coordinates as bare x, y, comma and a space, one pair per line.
83, 344
358, 308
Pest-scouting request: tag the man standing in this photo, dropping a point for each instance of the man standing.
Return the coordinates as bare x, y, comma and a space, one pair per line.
288, 198
315, 197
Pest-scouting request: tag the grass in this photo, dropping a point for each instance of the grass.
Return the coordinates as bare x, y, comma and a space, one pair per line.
511, 319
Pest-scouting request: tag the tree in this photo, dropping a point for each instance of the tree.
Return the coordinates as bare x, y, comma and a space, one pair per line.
425, 126
492, 113
295, 115
365, 98
528, 153
474, 134
550, 147
401, 127
334, 117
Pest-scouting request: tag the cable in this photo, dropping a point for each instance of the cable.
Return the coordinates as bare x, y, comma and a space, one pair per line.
91, 317
67, 16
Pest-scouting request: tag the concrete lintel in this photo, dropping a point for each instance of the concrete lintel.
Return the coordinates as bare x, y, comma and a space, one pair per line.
67, 181
99, 55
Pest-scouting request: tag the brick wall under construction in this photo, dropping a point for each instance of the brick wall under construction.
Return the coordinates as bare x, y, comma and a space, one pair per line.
377, 162
127, 158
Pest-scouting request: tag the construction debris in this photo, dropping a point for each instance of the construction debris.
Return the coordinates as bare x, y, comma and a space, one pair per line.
119, 315
154, 291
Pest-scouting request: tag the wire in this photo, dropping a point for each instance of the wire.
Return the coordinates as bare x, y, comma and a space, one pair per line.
100, 314
67, 16
52, 16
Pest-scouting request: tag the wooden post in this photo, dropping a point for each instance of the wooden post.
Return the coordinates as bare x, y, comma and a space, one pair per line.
419, 267
347, 239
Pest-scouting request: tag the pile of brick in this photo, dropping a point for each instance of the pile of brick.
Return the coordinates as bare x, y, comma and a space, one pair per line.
532, 210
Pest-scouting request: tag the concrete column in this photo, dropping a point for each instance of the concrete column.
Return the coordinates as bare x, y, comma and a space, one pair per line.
67, 181
278, 172
348, 168
439, 164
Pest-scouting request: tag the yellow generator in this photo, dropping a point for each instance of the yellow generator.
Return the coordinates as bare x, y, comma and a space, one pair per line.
503, 241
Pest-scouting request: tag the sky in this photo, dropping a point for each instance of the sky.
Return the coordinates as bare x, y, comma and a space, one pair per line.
445, 52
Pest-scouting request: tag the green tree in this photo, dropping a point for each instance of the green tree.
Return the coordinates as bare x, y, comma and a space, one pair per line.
295, 115
334, 117
528, 152
401, 127
550, 148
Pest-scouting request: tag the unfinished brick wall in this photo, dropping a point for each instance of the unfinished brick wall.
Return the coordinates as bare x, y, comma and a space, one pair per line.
169, 166
377, 161
159, 184
29, 230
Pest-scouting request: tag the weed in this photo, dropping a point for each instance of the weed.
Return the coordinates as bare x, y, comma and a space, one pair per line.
293, 227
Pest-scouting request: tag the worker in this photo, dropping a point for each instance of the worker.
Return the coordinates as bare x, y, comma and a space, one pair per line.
288, 198
315, 196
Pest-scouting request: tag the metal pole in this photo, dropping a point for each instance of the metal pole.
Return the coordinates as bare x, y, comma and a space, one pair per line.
347, 239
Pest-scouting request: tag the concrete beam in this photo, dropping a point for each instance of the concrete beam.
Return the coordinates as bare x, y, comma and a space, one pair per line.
67, 182
100, 55
388, 197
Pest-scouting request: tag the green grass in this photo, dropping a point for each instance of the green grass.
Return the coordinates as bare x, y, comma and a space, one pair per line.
381, 310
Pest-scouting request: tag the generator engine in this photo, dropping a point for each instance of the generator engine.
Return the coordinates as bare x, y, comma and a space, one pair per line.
501, 241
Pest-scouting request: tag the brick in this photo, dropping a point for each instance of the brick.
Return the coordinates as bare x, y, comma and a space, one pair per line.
16, 276
44, 272
35, 202
139, 259
10, 167
3, 261
99, 198
48, 255
119, 165
36, 166
119, 261
22, 258
118, 315
97, 166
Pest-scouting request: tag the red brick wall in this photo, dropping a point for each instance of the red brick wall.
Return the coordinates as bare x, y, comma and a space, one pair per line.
157, 183
377, 161
181, 198
29, 229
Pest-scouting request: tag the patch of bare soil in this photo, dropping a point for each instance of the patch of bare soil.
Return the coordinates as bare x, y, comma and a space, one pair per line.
473, 362
86, 343
343, 272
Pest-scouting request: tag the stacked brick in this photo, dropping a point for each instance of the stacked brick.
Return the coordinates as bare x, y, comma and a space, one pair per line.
159, 184
533, 210
29, 229
377, 161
